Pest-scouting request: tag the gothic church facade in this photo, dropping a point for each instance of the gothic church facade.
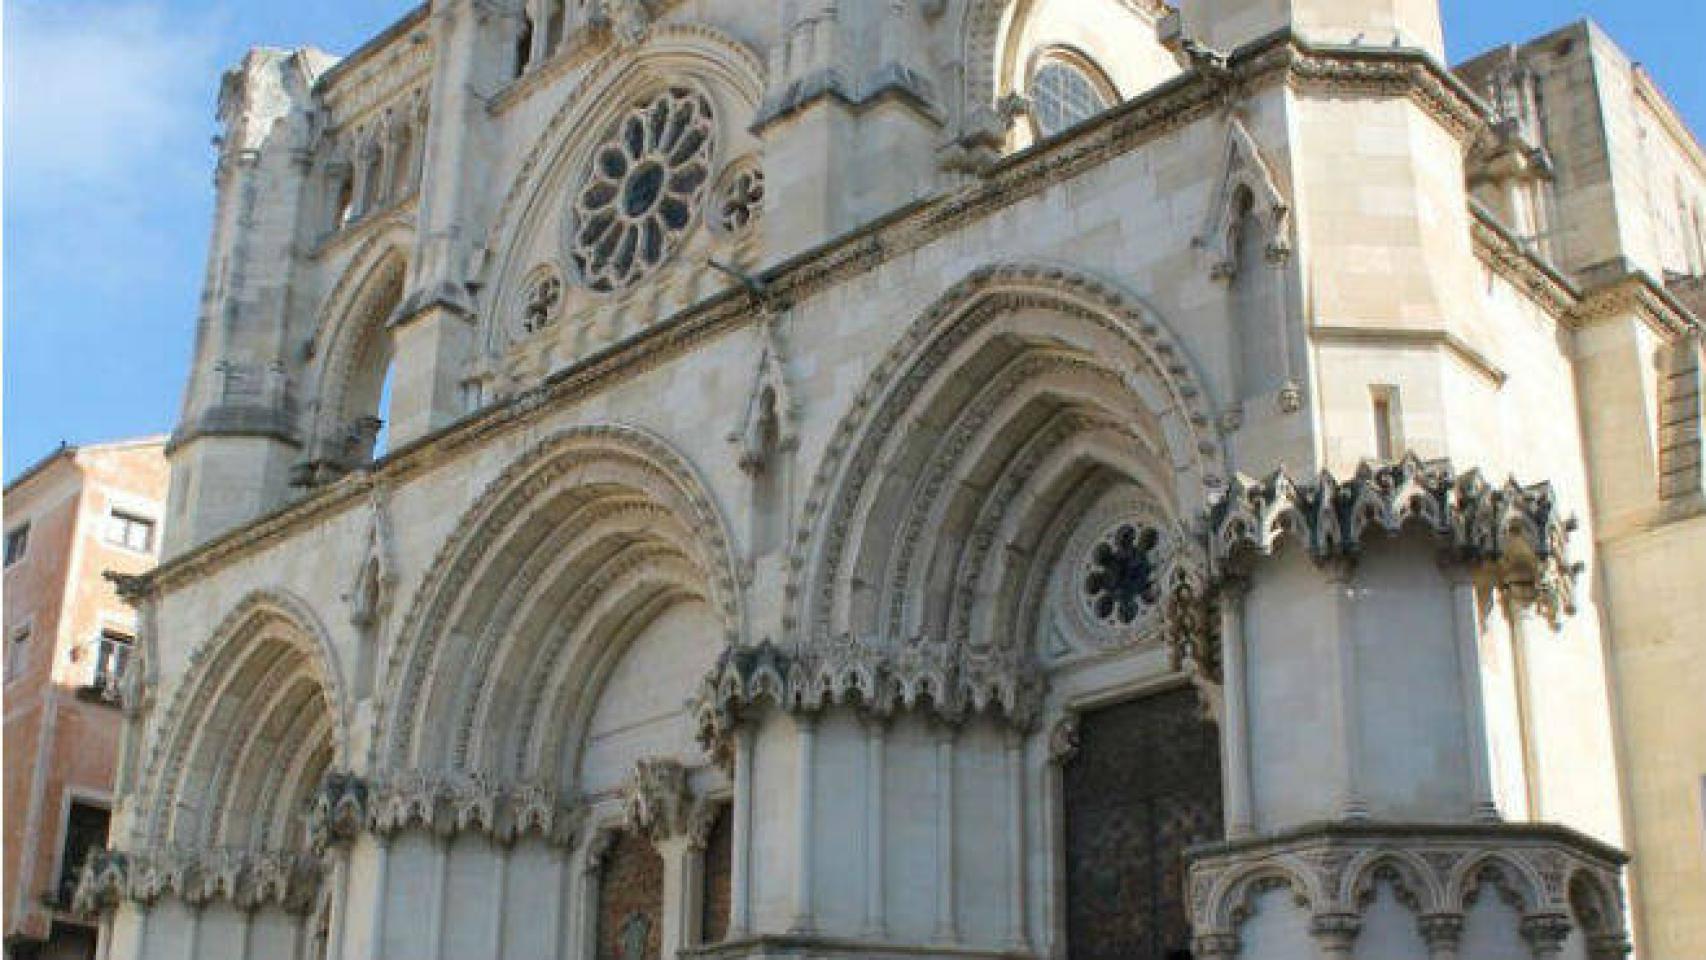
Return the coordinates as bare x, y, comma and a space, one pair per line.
930, 478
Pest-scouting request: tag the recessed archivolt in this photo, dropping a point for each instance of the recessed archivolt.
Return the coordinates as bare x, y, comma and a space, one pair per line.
550, 575
354, 315
254, 725
938, 483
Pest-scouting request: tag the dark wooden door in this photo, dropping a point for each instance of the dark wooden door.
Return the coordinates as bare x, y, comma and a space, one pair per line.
1143, 787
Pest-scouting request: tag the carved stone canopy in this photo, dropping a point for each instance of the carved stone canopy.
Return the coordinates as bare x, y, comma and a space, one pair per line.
1512, 532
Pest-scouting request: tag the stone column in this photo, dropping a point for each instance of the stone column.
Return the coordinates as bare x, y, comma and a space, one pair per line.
947, 930
876, 736
805, 732
1062, 748
1017, 921
192, 944
1235, 732
597, 845
1346, 712
1525, 624
740, 898
1466, 628
382, 881
557, 923
500, 896
440, 883
680, 891
337, 923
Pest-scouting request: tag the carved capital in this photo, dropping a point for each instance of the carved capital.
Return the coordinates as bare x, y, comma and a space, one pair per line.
1442, 932
1336, 932
1545, 934
659, 803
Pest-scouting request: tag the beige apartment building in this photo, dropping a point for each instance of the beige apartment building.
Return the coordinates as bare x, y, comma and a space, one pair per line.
69, 641
931, 479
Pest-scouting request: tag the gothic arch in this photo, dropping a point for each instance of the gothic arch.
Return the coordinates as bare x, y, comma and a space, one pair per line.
1233, 897
562, 561
1416, 883
725, 67
1512, 877
353, 316
257, 721
939, 497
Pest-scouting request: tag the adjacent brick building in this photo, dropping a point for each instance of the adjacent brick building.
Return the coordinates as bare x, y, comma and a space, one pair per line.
78, 513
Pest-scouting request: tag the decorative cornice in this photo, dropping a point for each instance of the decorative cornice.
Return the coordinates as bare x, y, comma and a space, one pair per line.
1123, 129
1513, 529
1565, 300
1341, 70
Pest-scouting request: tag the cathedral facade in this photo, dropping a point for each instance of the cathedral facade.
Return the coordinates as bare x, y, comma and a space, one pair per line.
957, 479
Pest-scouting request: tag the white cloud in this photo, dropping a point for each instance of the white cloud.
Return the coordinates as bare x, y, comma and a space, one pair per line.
96, 93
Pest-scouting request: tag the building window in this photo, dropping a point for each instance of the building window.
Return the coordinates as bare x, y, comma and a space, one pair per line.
85, 831
112, 656
1388, 428
130, 531
17, 542
17, 653
1065, 92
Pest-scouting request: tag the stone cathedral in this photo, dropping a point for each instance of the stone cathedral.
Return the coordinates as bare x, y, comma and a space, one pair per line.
937, 479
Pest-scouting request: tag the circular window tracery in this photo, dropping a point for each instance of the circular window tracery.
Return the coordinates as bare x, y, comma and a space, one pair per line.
1120, 578
641, 189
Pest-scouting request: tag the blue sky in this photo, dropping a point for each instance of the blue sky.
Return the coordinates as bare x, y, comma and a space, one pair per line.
108, 177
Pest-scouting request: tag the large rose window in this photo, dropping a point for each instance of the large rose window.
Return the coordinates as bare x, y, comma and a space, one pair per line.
644, 185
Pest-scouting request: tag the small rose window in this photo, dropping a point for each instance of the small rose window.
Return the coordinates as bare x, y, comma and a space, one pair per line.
1120, 576
645, 182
